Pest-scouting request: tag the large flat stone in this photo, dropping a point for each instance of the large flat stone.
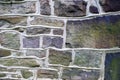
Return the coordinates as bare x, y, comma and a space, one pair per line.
99, 32
70, 8
25, 7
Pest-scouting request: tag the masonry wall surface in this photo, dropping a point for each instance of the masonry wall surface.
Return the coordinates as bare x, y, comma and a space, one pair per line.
59, 39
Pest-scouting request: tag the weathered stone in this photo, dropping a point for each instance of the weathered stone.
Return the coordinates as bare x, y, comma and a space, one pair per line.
25, 7
94, 9
10, 40
2, 75
58, 32
26, 74
47, 21
70, 8
42, 73
88, 58
45, 7
60, 57
49, 41
110, 5
38, 30
31, 42
10, 22
37, 53
19, 62
112, 66
20, 29
79, 74
4, 53
100, 32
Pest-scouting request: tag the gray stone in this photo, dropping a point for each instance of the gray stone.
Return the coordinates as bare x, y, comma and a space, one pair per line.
4, 53
26, 74
70, 8
10, 40
49, 41
26, 7
37, 30
47, 21
45, 7
58, 32
94, 9
79, 74
60, 57
88, 58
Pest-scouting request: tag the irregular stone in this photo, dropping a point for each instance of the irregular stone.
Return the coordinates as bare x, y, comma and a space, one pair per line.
79, 74
24, 7
10, 40
38, 30
20, 29
94, 9
110, 5
47, 21
70, 8
42, 73
31, 42
37, 53
19, 62
60, 57
4, 53
112, 66
12, 21
99, 32
2, 75
88, 58
49, 41
45, 7
26, 74
58, 32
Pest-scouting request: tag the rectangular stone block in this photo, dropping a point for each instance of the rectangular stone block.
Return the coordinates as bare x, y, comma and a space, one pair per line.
49, 41
47, 21
99, 32
88, 58
70, 8
45, 7
4, 53
60, 57
79, 74
12, 21
58, 32
17, 7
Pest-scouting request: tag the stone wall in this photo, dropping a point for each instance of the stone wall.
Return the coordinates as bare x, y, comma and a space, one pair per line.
59, 39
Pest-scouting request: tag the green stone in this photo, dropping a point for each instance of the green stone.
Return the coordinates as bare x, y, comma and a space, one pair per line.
26, 74
4, 53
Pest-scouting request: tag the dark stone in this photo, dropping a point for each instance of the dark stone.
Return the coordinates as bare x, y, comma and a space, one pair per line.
94, 9
70, 8
110, 5
58, 32
112, 66
31, 42
4, 53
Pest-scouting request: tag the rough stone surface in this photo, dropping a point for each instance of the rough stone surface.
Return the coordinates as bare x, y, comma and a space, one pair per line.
10, 40
70, 8
4, 53
60, 57
93, 9
31, 42
17, 8
58, 32
78, 74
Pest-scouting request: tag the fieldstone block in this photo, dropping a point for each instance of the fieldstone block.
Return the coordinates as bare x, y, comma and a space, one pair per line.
37, 53
60, 57
70, 8
12, 21
45, 7
26, 74
49, 41
58, 32
37, 30
19, 62
31, 42
4, 53
17, 7
79, 74
43, 73
88, 58
99, 32
94, 9
112, 66
10, 40
47, 21
2, 75
110, 5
